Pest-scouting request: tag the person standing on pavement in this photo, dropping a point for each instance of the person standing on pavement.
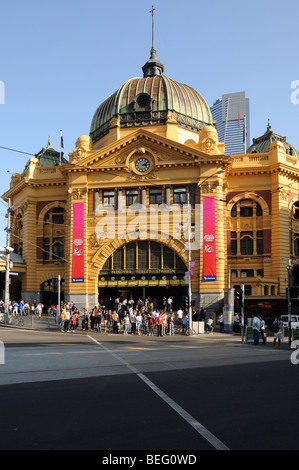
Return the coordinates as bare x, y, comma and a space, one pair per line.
67, 320
171, 324
278, 326
133, 323
256, 324
185, 323
115, 319
151, 323
160, 320
263, 329
126, 321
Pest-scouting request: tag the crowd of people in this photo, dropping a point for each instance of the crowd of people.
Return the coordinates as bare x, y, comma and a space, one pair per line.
22, 308
142, 319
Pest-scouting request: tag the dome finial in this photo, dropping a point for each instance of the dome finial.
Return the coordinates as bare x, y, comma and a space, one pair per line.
153, 66
153, 50
269, 128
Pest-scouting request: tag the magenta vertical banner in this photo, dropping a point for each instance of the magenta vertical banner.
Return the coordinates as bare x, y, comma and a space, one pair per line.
209, 243
78, 242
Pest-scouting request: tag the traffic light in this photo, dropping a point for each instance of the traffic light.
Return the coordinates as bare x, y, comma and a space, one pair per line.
238, 297
186, 301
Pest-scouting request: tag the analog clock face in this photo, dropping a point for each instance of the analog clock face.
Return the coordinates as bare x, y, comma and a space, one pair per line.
142, 165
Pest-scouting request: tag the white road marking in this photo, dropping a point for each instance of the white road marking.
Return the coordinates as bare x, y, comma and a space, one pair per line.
204, 432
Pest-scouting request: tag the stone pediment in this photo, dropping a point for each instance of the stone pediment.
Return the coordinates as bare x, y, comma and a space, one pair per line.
124, 153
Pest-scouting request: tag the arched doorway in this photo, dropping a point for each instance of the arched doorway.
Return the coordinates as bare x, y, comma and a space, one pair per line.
142, 270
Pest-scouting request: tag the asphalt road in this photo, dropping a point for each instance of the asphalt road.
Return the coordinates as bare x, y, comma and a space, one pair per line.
111, 393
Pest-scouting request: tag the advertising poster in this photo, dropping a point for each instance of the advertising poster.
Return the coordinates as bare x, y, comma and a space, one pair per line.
209, 243
78, 242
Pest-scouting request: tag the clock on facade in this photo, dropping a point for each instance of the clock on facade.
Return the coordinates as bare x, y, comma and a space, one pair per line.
142, 164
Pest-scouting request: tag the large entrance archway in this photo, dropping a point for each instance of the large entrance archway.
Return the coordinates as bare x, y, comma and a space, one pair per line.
143, 270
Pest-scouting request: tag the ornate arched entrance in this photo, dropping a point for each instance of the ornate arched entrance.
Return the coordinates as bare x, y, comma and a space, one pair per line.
143, 269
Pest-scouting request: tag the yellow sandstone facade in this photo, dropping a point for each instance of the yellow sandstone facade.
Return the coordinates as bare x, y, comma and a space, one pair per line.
142, 174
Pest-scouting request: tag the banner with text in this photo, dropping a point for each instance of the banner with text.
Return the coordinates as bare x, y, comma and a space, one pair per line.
209, 244
78, 242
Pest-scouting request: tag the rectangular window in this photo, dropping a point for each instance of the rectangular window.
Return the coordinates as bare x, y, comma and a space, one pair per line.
233, 247
246, 246
143, 255
155, 196
155, 255
118, 259
131, 197
246, 211
266, 290
168, 258
233, 243
131, 256
57, 219
179, 195
46, 248
247, 273
259, 242
247, 290
108, 198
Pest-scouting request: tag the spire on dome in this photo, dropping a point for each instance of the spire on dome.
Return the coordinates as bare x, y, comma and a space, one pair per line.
153, 67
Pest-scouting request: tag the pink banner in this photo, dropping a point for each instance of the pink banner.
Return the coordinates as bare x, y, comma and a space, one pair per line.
78, 242
209, 244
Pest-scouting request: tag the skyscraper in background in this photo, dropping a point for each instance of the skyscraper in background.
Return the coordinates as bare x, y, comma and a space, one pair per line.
231, 113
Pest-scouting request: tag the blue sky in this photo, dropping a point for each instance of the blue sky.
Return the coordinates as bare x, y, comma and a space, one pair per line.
60, 59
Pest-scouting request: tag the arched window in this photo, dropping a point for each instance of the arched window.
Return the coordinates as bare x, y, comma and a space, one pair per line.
144, 256
295, 210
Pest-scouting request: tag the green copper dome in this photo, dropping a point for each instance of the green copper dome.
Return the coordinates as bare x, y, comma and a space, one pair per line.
148, 101
50, 157
262, 144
